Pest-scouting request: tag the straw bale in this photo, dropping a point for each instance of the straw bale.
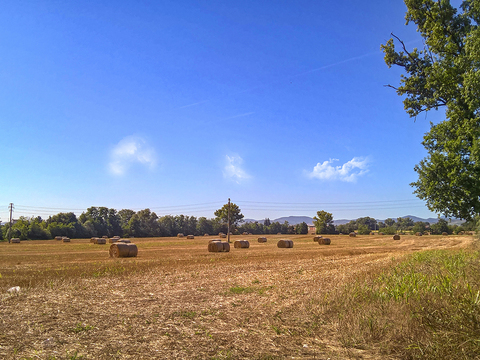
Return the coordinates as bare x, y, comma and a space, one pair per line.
324, 241
180, 235
15, 240
444, 234
58, 238
262, 239
120, 249
65, 239
317, 238
105, 237
241, 244
396, 237
285, 244
352, 234
206, 234
245, 233
418, 234
279, 233
93, 240
218, 246
223, 236
381, 233
100, 241
190, 237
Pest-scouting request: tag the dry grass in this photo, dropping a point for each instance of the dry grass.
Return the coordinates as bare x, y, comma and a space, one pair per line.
177, 300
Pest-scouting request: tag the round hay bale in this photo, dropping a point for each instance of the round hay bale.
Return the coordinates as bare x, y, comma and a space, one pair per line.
372, 233
223, 236
101, 241
119, 249
324, 241
58, 238
180, 235
206, 234
285, 243
241, 244
444, 234
66, 239
381, 233
93, 240
418, 234
218, 246
190, 237
316, 238
262, 239
105, 237
279, 233
396, 237
352, 234
15, 240
245, 233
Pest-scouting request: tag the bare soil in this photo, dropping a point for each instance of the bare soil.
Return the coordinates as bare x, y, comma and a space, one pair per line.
176, 300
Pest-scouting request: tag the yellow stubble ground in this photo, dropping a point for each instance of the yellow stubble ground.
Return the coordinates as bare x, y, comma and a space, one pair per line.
177, 300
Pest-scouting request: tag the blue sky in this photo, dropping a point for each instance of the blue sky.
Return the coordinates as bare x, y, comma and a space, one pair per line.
179, 105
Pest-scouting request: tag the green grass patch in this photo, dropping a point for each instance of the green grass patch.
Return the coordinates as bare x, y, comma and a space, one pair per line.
426, 307
248, 290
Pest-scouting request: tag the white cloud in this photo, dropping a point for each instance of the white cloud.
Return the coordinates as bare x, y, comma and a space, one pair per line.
130, 150
349, 171
233, 169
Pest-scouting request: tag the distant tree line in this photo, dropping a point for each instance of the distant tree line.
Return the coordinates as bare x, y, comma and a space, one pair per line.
100, 221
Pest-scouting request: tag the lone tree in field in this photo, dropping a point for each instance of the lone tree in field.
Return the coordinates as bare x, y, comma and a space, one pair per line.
236, 216
323, 223
445, 73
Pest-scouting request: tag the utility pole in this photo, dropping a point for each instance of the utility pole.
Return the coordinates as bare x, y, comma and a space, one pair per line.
228, 231
11, 223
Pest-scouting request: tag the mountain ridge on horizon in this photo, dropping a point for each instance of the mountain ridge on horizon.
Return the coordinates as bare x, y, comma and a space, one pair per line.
294, 220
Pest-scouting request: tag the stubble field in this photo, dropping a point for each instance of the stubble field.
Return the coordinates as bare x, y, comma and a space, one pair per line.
176, 300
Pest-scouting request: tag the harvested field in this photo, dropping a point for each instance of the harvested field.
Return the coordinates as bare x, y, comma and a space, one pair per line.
177, 300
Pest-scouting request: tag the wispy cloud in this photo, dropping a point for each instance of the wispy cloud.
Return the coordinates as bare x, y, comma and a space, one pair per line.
349, 171
130, 150
233, 169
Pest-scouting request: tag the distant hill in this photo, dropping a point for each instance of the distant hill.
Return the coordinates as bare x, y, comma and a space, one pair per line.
294, 220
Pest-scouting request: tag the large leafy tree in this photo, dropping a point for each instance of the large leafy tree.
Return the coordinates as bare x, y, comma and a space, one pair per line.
444, 74
236, 215
324, 222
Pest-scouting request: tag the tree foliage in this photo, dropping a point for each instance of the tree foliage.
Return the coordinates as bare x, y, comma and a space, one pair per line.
444, 74
324, 222
236, 215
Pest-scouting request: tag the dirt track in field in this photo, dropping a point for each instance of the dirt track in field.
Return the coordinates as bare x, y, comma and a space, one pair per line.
176, 300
